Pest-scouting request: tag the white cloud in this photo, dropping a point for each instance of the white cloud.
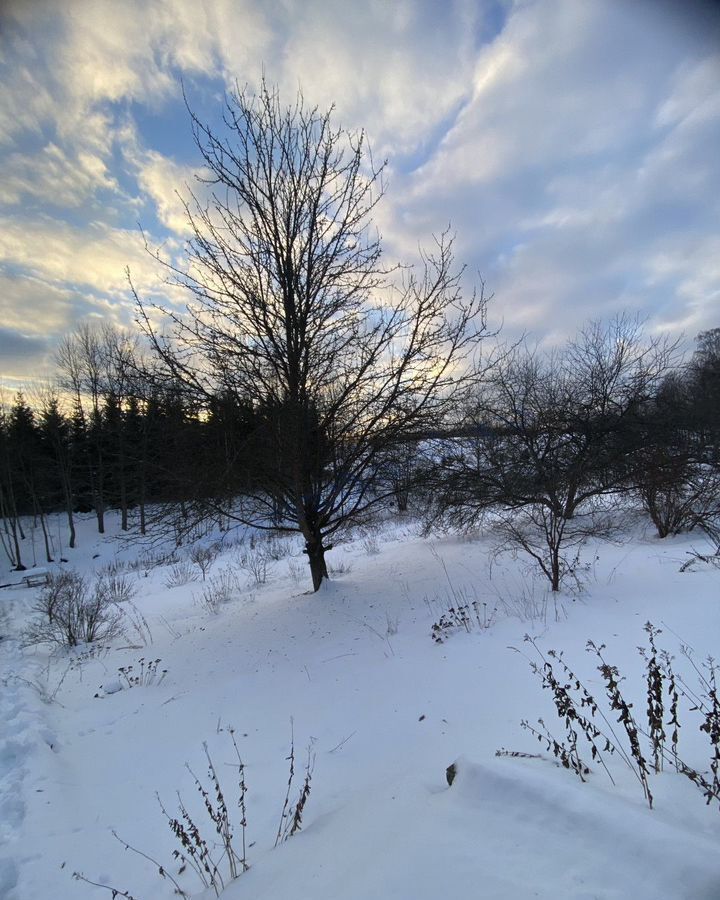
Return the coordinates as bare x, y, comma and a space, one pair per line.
162, 181
34, 313
55, 177
397, 69
588, 146
95, 258
694, 96
690, 263
575, 153
35, 308
166, 183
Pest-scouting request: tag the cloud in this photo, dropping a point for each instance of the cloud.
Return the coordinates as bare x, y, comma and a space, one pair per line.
37, 308
393, 68
90, 262
161, 181
25, 349
691, 265
54, 177
397, 69
71, 74
166, 183
26, 101
94, 55
586, 154
16, 347
572, 145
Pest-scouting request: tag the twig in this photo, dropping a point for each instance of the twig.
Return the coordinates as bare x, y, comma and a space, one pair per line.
343, 742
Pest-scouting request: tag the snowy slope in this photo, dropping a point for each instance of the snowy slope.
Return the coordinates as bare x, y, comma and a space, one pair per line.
385, 711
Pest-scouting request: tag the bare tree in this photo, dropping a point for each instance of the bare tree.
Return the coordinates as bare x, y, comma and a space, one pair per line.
553, 434
98, 367
293, 313
675, 480
704, 383
80, 359
119, 364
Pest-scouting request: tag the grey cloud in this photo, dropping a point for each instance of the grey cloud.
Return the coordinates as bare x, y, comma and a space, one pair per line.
583, 178
21, 354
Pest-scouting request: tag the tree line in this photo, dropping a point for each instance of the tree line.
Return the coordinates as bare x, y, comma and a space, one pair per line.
105, 436
539, 444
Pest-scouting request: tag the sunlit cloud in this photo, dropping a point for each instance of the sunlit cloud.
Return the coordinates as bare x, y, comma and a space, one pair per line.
54, 177
572, 146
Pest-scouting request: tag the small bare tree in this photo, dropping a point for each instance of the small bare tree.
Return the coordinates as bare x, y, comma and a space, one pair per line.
551, 434
203, 557
293, 313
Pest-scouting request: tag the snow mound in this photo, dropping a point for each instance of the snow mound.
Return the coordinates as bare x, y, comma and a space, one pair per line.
507, 828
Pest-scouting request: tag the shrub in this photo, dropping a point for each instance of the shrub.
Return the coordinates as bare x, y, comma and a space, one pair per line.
68, 614
292, 813
150, 561
218, 855
296, 570
278, 548
116, 588
255, 562
180, 573
371, 542
219, 590
640, 742
114, 567
144, 675
460, 611
203, 557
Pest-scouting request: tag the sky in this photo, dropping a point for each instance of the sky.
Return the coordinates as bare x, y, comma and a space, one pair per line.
573, 146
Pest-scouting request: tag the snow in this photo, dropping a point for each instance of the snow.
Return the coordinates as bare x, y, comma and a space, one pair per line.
383, 709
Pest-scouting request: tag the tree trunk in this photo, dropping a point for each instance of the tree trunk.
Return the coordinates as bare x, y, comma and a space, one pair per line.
122, 476
5, 520
555, 558
143, 526
14, 523
46, 537
71, 523
123, 505
316, 556
100, 513
98, 481
39, 514
13, 520
6, 546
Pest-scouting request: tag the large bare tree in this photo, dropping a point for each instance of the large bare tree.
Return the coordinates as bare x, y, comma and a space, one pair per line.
293, 312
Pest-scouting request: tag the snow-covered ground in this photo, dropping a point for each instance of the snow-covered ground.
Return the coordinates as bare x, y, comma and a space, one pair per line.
384, 710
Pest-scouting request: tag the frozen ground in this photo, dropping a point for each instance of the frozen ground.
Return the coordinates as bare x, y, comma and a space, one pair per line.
385, 711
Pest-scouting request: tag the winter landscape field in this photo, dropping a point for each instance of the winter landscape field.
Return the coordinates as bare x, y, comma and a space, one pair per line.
352, 675
359, 450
